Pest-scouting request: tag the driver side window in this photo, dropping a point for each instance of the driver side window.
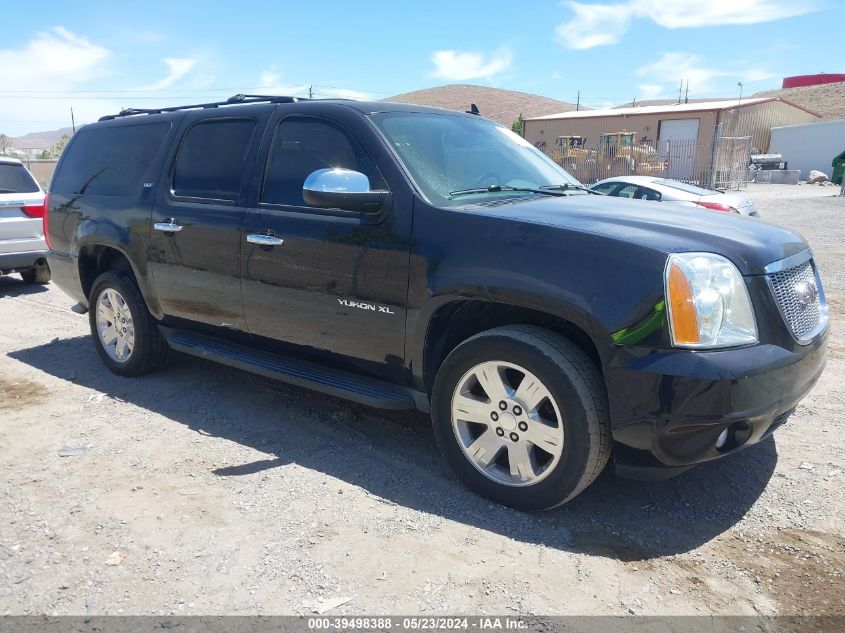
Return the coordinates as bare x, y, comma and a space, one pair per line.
301, 146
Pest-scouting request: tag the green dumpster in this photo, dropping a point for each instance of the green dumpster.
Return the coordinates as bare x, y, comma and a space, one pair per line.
838, 168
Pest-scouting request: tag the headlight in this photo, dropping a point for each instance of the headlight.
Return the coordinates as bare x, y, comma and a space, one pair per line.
708, 302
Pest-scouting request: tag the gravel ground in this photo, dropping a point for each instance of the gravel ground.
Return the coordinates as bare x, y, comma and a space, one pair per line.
205, 490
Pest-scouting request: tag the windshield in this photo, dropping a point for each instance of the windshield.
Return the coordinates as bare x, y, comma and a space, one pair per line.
14, 178
446, 154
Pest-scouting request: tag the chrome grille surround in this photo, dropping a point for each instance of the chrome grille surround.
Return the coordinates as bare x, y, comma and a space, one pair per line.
805, 313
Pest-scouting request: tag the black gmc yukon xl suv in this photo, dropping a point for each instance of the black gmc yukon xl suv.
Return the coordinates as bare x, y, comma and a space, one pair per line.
407, 257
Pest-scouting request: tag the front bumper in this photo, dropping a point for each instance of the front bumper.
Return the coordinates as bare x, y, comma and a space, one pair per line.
669, 407
12, 262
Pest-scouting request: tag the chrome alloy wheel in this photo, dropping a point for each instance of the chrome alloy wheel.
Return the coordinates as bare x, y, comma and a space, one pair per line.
114, 325
507, 423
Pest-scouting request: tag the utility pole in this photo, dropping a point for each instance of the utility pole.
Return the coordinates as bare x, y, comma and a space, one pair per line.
739, 83
578, 102
686, 93
72, 121
634, 103
680, 91
310, 92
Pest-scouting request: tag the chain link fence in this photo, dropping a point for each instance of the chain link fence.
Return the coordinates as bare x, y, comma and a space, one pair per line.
719, 164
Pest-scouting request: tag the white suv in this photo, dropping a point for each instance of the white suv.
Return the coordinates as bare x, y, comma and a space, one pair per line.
22, 244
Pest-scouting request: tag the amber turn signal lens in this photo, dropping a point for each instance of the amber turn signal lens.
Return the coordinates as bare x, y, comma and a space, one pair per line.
684, 319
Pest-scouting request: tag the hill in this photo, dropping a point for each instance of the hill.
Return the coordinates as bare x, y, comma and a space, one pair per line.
827, 99
39, 140
498, 104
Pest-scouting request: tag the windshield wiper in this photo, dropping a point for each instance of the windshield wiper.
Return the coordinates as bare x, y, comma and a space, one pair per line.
497, 188
568, 186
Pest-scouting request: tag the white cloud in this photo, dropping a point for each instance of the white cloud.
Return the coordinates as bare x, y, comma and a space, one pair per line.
602, 24
270, 82
57, 58
178, 67
670, 69
461, 66
332, 92
650, 91
40, 74
679, 14
594, 25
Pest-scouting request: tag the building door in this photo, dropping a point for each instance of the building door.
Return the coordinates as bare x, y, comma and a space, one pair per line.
677, 142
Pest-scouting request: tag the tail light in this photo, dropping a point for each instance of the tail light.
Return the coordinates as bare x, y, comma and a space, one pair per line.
36, 210
44, 217
715, 206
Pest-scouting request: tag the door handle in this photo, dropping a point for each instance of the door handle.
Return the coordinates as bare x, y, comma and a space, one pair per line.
168, 226
264, 240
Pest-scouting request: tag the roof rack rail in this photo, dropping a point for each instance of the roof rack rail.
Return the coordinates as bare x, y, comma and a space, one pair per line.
234, 99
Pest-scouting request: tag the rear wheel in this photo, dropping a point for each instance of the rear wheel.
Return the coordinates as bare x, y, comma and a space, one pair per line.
125, 333
520, 413
38, 274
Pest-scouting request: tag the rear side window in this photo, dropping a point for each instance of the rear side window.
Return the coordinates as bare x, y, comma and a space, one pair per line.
626, 191
15, 178
649, 194
210, 164
109, 161
605, 187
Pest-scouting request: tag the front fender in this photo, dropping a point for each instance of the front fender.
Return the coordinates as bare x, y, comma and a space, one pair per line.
610, 289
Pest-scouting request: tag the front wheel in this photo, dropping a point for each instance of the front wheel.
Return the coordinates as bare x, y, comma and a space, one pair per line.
520, 414
125, 333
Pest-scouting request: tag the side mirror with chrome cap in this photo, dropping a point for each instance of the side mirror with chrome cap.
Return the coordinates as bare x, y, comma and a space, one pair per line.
338, 188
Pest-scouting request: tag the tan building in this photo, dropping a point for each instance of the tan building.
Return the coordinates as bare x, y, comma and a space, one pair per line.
688, 128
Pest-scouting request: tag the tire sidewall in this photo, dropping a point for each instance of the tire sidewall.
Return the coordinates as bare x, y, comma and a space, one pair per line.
567, 475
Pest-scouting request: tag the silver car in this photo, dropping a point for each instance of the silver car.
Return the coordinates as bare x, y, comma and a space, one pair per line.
665, 190
22, 244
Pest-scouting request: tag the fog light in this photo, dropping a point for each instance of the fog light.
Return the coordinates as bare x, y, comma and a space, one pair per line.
723, 437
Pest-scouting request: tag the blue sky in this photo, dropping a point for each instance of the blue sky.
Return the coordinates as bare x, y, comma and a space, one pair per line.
99, 56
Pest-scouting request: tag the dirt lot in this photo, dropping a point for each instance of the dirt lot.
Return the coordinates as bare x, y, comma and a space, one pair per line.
202, 489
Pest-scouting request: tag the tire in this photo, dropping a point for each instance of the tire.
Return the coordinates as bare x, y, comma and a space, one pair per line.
148, 350
575, 405
38, 274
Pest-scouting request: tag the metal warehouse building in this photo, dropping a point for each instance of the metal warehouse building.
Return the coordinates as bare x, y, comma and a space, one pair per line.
807, 147
689, 126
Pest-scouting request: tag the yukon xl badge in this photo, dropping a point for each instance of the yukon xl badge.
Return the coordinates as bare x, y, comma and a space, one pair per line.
362, 305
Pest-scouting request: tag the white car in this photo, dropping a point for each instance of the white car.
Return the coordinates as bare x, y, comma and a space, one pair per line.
22, 203
665, 190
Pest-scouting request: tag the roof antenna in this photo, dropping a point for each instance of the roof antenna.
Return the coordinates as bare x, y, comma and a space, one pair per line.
473, 109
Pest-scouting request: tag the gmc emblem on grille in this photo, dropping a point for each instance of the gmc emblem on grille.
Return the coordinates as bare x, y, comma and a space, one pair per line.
806, 292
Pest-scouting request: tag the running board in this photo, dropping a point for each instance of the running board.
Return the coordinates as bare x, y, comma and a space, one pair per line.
368, 391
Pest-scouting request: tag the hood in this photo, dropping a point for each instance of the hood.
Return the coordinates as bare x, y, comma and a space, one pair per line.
749, 243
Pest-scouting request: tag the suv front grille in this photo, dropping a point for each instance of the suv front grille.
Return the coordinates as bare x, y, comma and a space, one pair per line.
800, 298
